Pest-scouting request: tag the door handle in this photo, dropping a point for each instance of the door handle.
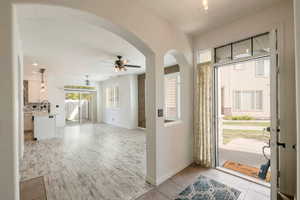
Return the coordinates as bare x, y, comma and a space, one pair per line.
268, 129
281, 144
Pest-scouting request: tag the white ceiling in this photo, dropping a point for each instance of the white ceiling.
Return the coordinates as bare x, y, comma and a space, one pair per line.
67, 46
190, 16
71, 48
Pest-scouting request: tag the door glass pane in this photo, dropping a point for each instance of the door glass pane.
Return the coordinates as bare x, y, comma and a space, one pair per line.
241, 49
261, 45
223, 53
79, 107
242, 114
86, 107
72, 100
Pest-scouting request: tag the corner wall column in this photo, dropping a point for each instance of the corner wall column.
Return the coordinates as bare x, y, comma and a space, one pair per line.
9, 176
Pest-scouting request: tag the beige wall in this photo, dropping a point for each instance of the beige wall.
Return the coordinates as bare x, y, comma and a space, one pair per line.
244, 79
280, 16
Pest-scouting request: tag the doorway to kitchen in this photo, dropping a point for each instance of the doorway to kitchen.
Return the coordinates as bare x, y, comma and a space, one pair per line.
245, 108
80, 107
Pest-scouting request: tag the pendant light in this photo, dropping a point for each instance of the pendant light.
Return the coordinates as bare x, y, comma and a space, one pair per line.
43, 85
87, 81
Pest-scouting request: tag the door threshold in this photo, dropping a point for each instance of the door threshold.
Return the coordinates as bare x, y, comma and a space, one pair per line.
245, 177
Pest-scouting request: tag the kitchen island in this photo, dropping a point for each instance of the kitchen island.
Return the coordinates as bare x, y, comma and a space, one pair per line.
44, 126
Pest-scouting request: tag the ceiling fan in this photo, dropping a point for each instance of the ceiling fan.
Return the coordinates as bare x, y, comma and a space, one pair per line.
121, 65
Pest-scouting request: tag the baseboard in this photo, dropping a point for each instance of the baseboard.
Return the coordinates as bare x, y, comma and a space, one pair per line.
150, 180
172, 173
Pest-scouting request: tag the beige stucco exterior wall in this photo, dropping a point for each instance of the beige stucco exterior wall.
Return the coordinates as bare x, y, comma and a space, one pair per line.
244, 79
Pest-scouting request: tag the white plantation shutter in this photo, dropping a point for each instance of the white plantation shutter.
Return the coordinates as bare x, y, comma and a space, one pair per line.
172, 96
112, 97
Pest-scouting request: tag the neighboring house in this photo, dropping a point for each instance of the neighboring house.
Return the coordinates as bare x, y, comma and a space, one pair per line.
245, 89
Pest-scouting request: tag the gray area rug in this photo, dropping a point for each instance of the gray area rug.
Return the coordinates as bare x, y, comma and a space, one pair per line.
208, 189
33, 189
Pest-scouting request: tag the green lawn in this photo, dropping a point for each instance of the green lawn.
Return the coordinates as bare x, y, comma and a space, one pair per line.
265, 124
229, 135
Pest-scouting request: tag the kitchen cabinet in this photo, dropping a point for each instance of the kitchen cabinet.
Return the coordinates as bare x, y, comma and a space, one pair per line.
44, 126
28, 123
34, 91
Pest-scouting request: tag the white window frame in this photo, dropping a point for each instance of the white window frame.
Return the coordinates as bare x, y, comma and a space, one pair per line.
112, 97
266, 73
254, 97
178, 93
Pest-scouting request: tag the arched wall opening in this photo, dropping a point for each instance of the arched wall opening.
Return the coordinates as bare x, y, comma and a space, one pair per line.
150, 91
153, 44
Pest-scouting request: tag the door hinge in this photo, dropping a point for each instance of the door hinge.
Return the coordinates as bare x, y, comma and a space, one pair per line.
278, 174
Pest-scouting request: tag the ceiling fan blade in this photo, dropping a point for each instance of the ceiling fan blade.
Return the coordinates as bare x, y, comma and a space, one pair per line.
133, 66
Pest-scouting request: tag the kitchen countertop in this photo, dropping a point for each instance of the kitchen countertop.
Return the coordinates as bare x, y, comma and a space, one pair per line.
38, 113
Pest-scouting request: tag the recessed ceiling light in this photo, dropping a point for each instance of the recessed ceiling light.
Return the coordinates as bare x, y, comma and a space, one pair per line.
35, 64
205, 4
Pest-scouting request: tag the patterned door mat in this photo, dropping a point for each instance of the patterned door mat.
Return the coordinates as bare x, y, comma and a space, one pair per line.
208, 189
33, 189
245, 169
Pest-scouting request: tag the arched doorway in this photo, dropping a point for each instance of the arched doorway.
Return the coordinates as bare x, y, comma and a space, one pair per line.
142, 47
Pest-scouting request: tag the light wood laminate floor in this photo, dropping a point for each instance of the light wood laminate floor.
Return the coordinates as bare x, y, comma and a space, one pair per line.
89, 162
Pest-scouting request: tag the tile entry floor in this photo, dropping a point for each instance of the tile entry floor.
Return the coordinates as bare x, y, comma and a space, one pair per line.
170, 188
103, 162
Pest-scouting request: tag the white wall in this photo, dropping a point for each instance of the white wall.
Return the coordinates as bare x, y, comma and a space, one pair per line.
20, 68
152, 43
9, 174
175, 150
280, 16
126, 115
297, 36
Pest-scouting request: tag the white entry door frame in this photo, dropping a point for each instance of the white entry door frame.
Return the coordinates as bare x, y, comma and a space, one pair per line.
297, 56
274, 105
274, 99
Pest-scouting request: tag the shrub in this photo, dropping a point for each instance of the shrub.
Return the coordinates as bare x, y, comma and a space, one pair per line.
243, 117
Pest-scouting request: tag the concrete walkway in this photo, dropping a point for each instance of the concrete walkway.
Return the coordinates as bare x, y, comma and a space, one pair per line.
236, 127
244, 151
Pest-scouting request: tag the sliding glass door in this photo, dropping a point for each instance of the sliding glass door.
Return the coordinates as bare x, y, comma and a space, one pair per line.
79, 107
86, 107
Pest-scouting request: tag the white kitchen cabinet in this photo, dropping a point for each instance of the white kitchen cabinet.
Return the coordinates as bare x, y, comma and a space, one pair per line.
28, 124
34, 91
44, 126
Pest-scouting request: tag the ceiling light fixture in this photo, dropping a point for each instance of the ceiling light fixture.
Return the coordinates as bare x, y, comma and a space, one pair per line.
120, 69
205, 4
87, 81
35, 64
43, 85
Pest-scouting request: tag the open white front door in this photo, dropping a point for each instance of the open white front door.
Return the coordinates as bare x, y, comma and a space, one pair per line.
274, 129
